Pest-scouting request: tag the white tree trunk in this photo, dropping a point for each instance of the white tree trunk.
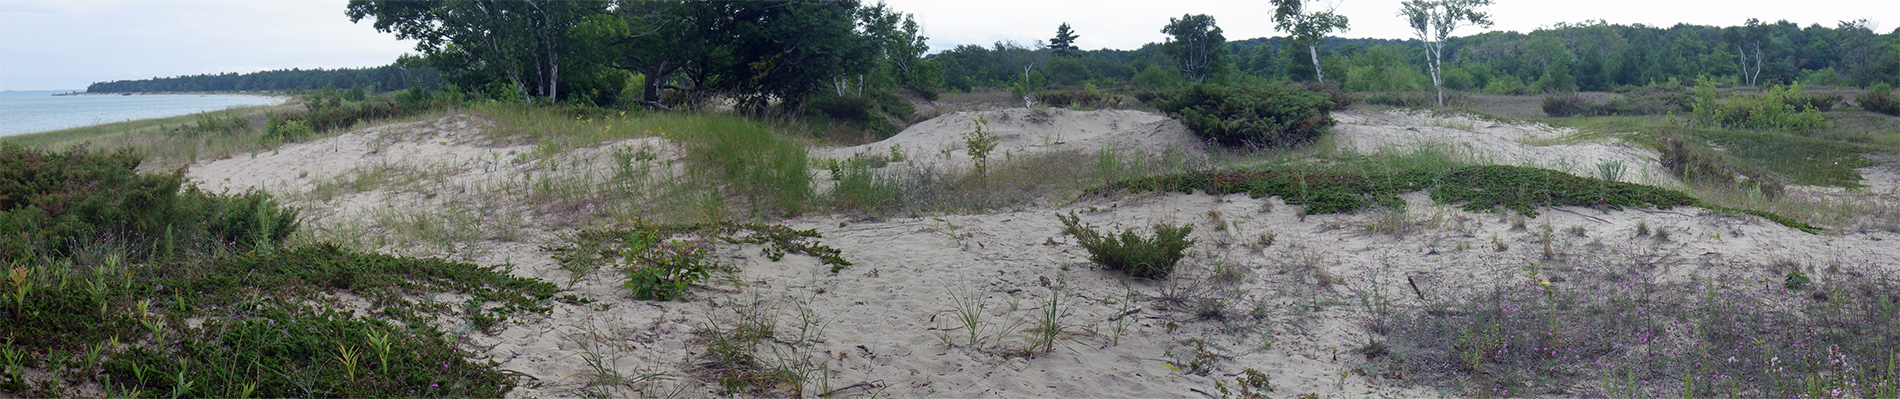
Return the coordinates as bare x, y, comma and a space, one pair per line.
1316, 71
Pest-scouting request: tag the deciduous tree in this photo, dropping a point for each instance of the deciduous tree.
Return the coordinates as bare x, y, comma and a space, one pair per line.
1433, 21
1196, 45
1307, 26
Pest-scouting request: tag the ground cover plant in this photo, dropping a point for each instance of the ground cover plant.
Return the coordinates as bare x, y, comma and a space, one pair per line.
1622, 331
53, 203
126, 283
662, 262
1478, 188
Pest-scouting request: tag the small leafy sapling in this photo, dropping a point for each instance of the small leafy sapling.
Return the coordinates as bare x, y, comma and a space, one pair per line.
979, 143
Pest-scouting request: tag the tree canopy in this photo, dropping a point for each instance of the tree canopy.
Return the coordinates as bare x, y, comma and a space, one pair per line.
1196, 45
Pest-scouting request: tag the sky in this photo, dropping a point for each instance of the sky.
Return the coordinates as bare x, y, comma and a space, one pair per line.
68, 44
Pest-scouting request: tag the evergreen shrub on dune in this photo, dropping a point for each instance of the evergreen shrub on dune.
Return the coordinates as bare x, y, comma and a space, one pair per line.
1250, 116
54, 202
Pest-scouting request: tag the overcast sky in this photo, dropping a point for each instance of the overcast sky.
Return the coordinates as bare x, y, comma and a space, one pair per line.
67, 44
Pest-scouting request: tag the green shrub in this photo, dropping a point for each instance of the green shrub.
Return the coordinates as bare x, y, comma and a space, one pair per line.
1564, 105
892, 104
666, 270
1340, 99
329, 113
1880, 99
1140, 257
1479, 188
260, 326
1076, 99
848, 108
52, 203
1774, 109
1251, 116
1414, 98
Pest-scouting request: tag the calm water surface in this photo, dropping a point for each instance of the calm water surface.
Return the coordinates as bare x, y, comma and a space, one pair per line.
33, 112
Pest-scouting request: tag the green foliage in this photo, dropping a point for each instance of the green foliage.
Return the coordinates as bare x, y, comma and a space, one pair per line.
1196, 45
285, 353
1479, 188
765, 169
1306, 26
1880, 99
1781, 107
661, 265
664, 271
1413, 99
1156, 77
54, 203
978, 144
1064, 42
1140, 257
1651, 102
258, 327
1078, 99
325, 113
1251, 116
391, 77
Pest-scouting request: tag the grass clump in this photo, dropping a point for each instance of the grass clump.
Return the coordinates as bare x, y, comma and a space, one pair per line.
1251, 116
1140, 257
1479, 188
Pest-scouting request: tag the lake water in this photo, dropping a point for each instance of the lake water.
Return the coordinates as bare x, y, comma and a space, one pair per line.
40, 111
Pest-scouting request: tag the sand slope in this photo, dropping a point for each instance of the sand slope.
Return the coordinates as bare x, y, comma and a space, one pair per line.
1286, 309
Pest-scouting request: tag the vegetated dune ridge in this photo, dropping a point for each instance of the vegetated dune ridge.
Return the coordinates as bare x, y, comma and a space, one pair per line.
1287, 308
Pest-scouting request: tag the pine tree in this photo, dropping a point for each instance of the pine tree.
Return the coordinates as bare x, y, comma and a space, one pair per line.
1064, 42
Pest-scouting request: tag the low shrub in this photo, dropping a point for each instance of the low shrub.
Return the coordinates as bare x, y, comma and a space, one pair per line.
1140, 257
892, 104
848, 108
1340, 99
1880, 99
1774, 109
261, 333
52, 203
1564, 105
1479, 188
664, 271
661, 265
1250, 116
1414, 98
1818, 102
1078, 99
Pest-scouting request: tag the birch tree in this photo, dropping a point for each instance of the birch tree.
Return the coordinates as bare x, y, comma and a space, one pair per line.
1433, 21
1307, 26
1197, 45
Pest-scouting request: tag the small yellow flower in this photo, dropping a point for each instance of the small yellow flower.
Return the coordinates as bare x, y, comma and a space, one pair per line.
1547, 283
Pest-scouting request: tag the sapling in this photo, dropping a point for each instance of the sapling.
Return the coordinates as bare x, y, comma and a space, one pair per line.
979, 143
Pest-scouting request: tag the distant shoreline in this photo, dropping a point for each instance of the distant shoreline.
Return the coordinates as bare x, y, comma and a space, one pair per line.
278, 99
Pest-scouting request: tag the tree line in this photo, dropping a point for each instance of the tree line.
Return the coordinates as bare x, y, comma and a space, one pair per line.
1589, 56
784, 53
378, 79
758, 53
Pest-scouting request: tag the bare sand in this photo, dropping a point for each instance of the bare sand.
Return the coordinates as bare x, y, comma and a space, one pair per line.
880, 327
